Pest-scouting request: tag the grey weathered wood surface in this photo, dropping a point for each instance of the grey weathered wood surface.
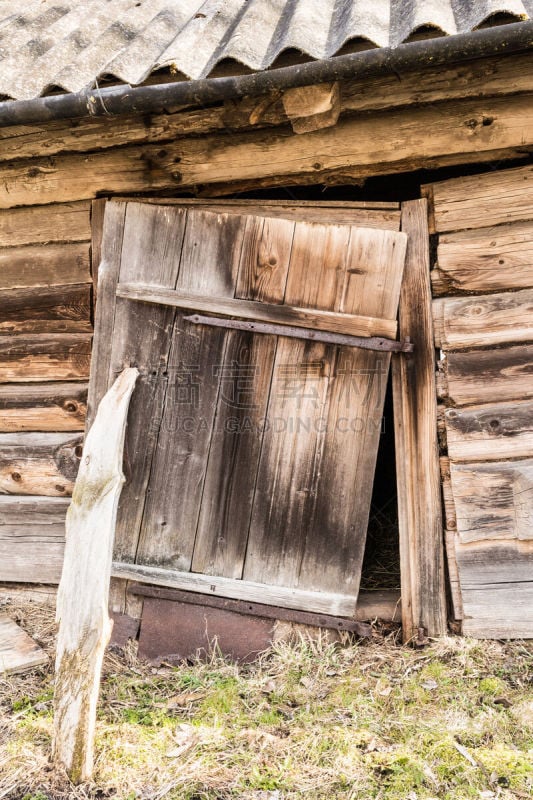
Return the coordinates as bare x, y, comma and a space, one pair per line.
32, 538
323, 320
82, 601
262, 275
338, 604
47, 407
167, 529
493, 500
497, 589
18, 651
415, 427
490, 432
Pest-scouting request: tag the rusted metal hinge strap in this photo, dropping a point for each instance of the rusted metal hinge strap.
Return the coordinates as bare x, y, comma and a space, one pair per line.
365, 343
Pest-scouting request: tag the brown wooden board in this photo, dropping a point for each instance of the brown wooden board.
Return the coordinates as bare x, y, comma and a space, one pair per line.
177, 475
34, 358
57, 309
489, 376
58, 222
46, 407
477, 201
44, 265
483, 320
485, 259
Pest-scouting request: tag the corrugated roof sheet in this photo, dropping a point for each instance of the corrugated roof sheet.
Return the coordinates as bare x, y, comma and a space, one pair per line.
66, 44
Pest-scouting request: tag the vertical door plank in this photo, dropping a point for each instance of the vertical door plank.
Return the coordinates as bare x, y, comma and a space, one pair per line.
327, 444
415, 423
153, 238
220, 545
209, 265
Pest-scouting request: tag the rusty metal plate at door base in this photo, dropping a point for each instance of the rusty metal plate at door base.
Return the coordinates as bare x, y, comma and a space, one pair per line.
173, 631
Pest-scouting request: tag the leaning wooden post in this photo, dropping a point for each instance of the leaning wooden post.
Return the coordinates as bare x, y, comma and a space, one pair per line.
84, 624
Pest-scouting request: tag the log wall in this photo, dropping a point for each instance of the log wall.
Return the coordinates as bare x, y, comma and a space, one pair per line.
51, 174
483, 313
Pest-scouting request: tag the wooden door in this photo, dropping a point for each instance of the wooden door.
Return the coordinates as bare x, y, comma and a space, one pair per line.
250, 454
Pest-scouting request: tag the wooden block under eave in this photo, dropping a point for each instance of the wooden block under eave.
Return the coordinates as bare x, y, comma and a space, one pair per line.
483, 320
490, 432
489, 376
45, 357
44, 265
39, 463
476, 201
485, 259
42, 407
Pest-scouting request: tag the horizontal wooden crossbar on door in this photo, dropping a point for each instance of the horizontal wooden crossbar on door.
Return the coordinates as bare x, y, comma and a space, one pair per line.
369, 333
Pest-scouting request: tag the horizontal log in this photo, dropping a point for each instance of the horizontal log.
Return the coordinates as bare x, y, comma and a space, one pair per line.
351, 324
478, 201
32, 540
52, 309
480, 78
497, 589
44, 265
31, 553
59, 222
39, 463
363, 145
489, 376
51, 407
488, 432
485, 259
494, 500
339, 605
32, 510
45, 357
483, 320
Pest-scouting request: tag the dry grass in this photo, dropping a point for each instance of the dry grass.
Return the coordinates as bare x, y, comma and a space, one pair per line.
311, 719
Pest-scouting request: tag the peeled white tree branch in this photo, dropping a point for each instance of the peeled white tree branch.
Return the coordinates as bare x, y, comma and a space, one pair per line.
84, 624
